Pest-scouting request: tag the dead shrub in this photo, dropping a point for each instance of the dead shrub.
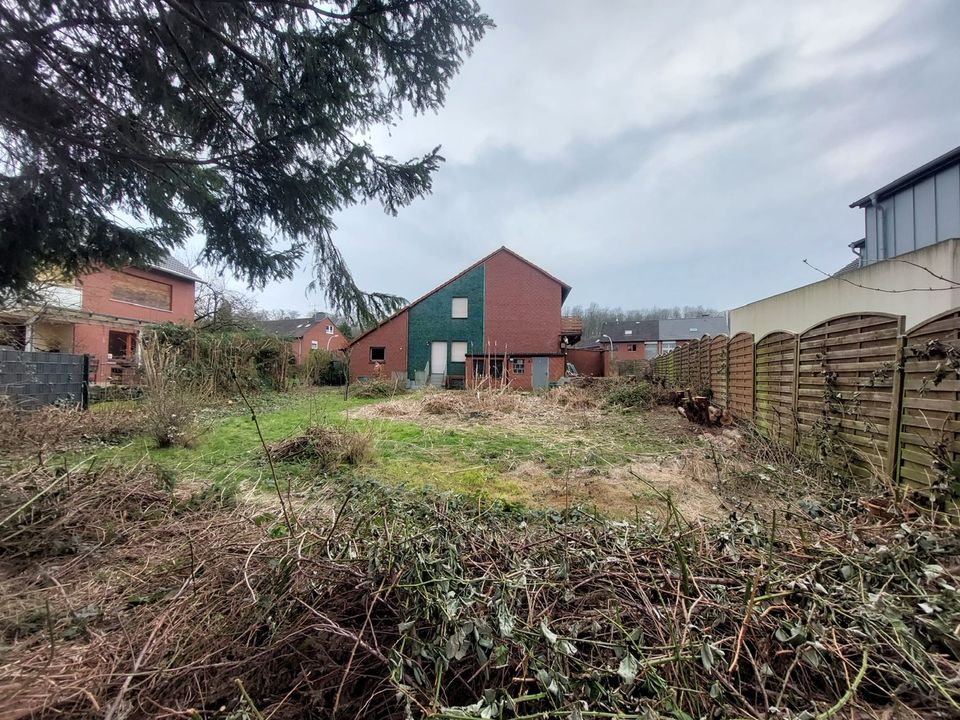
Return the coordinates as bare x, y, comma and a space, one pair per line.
326, 447
378, 388
170, 408
53, 428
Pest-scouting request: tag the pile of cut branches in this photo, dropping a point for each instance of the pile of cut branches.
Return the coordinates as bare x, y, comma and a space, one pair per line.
412, 605
327, 447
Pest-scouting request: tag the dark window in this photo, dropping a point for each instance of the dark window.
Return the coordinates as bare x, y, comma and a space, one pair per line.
496, 368
121, 345
378, 354
518, 366
479, 367
632, 348
13, 336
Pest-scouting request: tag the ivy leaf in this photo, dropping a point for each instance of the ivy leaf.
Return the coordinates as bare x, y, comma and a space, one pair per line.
628, 669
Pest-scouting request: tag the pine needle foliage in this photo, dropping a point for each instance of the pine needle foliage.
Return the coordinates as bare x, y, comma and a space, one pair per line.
126, 126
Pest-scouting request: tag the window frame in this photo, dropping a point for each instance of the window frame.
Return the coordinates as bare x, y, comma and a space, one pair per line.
130, 351
314, 344
329, 330
632, 347
518, 366
463, 355
466, 308
384, 353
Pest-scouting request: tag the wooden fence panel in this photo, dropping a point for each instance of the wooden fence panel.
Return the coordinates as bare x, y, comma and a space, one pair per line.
703, 381
718, 369
776, 357
684, 369
740, 376
845, 390
930, 413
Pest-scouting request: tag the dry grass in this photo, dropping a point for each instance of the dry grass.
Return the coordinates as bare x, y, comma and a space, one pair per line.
325, 447
123, 599
50, 428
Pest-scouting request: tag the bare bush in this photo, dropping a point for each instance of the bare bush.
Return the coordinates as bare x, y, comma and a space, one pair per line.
53, 428
171, 407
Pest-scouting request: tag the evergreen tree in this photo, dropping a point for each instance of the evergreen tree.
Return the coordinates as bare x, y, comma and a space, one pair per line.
128, 125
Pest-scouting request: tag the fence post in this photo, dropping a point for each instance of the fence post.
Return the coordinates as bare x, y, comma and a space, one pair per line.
85, 386
896, 407
795, 410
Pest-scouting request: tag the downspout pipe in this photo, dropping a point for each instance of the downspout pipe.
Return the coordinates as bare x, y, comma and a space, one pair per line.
881, 228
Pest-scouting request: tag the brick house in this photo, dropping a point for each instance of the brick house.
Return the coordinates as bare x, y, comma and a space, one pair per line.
319, 332
101, 313
646, 339
498, 319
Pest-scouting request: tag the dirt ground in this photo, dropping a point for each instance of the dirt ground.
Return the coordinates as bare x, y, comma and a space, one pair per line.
659, 457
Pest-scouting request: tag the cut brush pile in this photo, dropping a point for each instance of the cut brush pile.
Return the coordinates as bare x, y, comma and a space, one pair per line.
122, 599
326, 447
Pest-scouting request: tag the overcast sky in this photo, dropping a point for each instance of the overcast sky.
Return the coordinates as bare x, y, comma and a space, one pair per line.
664, 153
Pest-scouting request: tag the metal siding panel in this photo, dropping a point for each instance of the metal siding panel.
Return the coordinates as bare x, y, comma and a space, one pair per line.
925, 212
870, 253
903, 240
948, 203
888, 232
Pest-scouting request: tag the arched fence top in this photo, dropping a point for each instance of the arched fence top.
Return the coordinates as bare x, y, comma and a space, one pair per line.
936, 323
740, 336
838, 323
775, 336
717, 339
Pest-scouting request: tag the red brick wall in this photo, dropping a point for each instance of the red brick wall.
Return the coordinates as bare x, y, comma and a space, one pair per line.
522, 381
625, 353
392, 336
92, 338
318, 332
96, 297
522, 308
587, 362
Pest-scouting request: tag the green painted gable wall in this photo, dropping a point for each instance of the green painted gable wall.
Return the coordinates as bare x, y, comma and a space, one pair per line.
430, 321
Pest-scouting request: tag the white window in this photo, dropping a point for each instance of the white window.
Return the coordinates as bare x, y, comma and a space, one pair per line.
518, 365
458, 352
459, 309
314, 344
669, 345
329, 329
628, 332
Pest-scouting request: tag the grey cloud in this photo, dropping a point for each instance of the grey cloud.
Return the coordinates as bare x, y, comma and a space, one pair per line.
713, 200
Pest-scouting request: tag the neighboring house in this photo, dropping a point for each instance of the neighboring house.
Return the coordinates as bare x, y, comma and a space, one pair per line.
101, 313
499, 319
912, 234
646, 339
319, 332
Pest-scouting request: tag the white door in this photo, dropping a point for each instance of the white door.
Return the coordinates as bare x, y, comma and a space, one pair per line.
438, 358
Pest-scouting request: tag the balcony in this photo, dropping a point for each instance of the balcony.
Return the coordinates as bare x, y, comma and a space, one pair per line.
571, 329
66, 297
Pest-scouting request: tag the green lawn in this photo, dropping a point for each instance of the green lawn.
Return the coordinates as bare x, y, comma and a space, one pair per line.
473, 458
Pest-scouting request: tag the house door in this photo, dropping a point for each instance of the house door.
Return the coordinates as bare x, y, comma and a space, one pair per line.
541, 372
438, 358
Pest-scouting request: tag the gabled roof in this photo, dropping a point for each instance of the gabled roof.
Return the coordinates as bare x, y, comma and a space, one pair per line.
293, 327
911, 178
170, 265
564, 288
693, 328
631, 330
849, 267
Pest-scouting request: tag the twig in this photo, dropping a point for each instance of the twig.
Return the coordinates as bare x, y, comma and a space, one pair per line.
266, 449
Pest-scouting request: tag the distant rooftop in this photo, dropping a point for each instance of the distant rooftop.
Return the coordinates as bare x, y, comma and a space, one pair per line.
293, 327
